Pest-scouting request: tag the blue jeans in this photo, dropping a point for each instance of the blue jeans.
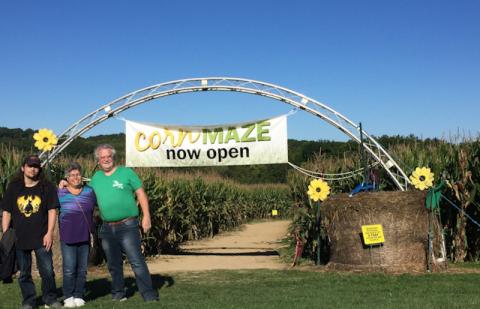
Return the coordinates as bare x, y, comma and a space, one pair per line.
75, 262
125, 238
45, 267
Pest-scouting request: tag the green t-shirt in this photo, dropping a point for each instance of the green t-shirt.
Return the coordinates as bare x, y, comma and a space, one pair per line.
116, 193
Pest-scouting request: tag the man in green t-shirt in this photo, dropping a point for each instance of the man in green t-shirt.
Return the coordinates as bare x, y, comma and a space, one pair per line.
116, 188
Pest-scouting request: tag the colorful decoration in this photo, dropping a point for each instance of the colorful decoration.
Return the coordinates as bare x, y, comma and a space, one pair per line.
422, 178
45, 139
318, 190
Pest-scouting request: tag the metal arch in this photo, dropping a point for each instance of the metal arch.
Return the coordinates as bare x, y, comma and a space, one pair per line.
282, 94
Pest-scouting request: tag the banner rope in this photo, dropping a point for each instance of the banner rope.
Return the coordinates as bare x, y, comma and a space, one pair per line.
293, 111
330, 176
120, 118
461, 210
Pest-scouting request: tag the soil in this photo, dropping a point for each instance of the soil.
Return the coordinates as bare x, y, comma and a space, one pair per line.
253, 246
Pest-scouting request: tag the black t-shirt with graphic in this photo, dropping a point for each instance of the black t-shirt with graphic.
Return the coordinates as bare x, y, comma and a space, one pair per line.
29, 209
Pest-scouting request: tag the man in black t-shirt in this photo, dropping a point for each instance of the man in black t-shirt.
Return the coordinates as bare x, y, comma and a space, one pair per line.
30, 204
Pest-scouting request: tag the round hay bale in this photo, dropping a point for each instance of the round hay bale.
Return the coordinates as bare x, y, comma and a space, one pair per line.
405, 224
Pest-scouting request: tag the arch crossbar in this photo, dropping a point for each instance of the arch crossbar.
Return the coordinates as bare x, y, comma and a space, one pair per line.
282, 94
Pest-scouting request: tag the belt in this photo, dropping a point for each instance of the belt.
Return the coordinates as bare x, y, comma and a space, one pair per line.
120, 221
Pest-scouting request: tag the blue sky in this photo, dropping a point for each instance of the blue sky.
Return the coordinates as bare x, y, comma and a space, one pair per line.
399, 67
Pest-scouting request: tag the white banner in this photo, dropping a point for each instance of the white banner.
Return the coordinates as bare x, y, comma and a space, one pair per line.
258, 142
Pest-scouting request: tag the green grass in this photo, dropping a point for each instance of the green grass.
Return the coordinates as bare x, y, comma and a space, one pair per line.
287, 289
466, 265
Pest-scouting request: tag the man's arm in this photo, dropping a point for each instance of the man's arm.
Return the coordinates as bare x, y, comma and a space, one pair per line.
143, 201
48, 238
6, 218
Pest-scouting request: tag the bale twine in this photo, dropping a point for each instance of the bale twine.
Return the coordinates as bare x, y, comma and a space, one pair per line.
403, 217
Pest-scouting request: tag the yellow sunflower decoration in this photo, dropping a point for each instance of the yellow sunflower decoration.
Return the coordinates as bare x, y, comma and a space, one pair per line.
318, 190
422, 178
45, 140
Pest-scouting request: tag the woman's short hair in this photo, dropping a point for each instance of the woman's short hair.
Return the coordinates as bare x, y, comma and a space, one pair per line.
72, 166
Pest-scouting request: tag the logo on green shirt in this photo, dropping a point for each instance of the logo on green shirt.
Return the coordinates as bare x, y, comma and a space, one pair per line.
117, 184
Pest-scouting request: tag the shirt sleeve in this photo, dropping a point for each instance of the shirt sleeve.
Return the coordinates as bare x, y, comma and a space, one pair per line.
61, 192
91, 195
52, 198
93, 180
7, 201
135, 181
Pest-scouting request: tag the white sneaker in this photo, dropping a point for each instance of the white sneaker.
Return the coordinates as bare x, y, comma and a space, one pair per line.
69, 303
55, 304
79, 302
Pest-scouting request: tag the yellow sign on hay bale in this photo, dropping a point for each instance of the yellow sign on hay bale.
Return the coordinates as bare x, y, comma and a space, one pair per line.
274, 212
373, 234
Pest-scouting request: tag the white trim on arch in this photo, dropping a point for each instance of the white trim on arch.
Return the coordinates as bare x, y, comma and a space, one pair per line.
279, 93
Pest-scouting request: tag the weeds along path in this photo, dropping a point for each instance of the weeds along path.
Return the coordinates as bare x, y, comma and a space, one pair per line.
253, 246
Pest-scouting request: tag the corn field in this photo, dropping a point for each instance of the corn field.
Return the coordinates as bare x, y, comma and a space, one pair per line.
184, 206
187, 206
456, 162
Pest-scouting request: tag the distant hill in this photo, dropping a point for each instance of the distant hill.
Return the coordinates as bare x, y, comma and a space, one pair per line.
299, 150
23, 140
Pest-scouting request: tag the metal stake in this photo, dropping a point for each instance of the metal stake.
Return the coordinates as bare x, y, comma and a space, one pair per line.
319, 241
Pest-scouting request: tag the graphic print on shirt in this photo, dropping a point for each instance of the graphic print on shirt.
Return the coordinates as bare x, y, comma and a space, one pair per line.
28, 204
117, 184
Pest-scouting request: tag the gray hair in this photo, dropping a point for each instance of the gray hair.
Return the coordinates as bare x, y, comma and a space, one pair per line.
72, 166
103, 146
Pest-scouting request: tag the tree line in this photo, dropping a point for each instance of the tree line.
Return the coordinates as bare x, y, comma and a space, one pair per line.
299, 152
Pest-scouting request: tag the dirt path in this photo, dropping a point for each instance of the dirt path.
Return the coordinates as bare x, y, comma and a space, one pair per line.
253, 246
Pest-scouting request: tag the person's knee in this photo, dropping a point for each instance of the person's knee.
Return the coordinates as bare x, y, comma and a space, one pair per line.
81, 272
82, 268
46, 272
135, 257
111, 248
68, 271
45, 266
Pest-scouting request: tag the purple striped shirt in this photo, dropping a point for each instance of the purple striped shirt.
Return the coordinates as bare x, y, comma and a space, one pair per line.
76, 215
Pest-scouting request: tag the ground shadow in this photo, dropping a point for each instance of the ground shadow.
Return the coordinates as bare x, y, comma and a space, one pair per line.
98, 288
39, 301
248, 253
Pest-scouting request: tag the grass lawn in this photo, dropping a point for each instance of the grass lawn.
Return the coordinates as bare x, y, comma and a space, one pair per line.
286, 289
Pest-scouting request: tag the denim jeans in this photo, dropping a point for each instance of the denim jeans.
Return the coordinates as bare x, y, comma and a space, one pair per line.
125, 237
75, 262
45, 267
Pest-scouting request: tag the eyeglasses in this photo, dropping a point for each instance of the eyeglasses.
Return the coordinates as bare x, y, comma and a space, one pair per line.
74, 175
